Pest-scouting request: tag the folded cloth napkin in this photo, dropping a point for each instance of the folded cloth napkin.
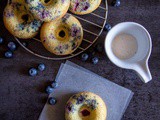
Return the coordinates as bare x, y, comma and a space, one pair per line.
73, 79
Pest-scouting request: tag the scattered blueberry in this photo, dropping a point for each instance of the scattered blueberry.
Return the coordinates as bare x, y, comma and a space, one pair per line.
107, 27
84, 56
49, 89
52, 101
12, 46
41, 67
1, 40
25, 44
54, 84
116, 3
95, 60
99, 47
8, 54
33, 72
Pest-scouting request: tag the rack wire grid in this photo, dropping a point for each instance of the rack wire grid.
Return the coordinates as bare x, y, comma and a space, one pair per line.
92, 30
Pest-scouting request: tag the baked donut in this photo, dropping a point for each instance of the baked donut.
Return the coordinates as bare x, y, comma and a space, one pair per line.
48, 10
62, 37
85, 106
82, 7
19, 21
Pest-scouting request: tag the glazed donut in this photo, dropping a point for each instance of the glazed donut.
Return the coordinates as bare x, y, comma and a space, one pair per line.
85, 106
62, 37
19, 21
48, 10
82, 7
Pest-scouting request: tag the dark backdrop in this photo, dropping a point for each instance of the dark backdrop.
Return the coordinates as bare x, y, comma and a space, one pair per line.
23, 97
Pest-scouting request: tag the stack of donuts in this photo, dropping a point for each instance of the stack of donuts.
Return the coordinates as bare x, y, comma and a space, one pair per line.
60, 32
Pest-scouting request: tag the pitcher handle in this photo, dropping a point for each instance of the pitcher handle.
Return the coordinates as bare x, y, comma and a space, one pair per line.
143, 71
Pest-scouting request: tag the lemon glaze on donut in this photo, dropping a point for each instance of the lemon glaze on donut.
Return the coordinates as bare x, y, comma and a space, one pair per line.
85, 106
82, 7
19, 21
62, 37
48, 10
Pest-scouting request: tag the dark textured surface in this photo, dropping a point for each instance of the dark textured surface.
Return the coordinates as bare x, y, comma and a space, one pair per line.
22, 97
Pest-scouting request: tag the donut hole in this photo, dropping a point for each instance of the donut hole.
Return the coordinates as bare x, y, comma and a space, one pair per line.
46, 1
25, 17
85, 112
62, 34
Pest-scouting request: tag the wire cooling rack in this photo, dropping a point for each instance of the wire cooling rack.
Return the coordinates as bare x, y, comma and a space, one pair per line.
92, 30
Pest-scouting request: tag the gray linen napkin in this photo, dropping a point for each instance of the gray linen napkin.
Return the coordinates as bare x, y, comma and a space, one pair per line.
73, 79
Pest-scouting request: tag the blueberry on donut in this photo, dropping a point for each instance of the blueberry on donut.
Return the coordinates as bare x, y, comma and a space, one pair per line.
62, 37
19, 21
48, 10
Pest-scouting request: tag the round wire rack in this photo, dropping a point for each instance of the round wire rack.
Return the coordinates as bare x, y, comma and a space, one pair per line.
93, 25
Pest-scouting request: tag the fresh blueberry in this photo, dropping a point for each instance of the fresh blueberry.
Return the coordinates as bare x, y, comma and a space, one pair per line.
95, 60
99, 47
33, 72
25, 44
41, 67
84, 56
52, 101
54, 84
116, 3
1, 40
49, 89
12, 46
8, 54
107, 27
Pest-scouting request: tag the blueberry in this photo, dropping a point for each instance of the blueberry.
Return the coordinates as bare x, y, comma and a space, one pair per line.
84, 56
80, 99
116, 3
1, 40
54, 84
8, 54
99, 47
52, 101
33, 72
25, 44
49, 89
12, 46
107, 27
41, 67
95, 60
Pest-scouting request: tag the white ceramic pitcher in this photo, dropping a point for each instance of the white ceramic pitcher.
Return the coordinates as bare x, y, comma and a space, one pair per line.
139, 62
